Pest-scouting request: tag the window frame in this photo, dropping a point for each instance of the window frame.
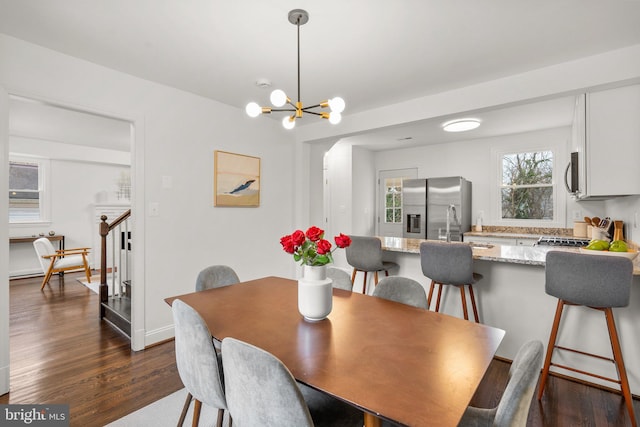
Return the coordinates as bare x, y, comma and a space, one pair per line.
559, 206
395, 208
44, 180
504, 186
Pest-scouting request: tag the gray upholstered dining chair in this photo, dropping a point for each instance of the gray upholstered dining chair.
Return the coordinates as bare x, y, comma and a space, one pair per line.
450, 264
599, 282
260, 390
216, 276
198, 362
513, 408
365, 255
340, 278
402, 289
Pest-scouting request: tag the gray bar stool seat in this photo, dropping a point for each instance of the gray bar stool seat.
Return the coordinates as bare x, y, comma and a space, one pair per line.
365, 254
599, 282
450, 264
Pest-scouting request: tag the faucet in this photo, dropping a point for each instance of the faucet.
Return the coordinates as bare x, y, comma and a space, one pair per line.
450, 209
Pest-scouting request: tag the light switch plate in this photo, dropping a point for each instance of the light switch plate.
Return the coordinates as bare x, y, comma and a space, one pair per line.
154, 209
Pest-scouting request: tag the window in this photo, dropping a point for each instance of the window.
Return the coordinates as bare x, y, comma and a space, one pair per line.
27, 201
526, 187
393, 200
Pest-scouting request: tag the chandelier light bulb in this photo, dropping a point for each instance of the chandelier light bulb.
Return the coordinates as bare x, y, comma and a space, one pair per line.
335, 117
289, 122
278, 98
253, 109
336, 105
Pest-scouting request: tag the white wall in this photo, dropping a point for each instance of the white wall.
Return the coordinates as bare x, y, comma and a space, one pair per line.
364, 192
75, 187
339, 181
473, 160
626, 209
4, 243
177, 134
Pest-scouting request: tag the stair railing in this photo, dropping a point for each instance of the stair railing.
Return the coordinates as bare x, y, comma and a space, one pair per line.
119, 247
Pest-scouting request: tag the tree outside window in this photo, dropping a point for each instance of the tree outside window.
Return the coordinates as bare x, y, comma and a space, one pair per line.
393, 200
527, 186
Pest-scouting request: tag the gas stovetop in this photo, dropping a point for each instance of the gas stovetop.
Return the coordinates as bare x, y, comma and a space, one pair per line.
562, 241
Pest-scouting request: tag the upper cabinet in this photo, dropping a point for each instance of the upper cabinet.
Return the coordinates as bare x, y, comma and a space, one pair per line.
606, 132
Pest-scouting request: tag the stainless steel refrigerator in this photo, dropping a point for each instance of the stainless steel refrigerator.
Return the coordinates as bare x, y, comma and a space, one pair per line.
436, 208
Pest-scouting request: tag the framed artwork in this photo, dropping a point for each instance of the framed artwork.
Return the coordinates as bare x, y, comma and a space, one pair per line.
236, 180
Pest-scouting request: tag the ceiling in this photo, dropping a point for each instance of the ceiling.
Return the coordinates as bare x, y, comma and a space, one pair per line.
38, 120
370, 52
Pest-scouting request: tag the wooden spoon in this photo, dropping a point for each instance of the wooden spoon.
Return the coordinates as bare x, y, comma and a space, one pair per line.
595, 221
588, 220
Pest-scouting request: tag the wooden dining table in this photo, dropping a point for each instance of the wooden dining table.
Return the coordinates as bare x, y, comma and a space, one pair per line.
395, 362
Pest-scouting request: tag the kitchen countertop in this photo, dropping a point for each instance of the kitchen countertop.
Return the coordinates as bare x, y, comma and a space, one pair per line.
519, 232
528, 255
512, 235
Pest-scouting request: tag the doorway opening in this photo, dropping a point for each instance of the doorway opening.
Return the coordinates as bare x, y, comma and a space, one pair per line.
90, 171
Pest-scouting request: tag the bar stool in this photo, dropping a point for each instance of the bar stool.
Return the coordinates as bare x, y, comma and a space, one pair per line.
450, 264
596, 281
365, 254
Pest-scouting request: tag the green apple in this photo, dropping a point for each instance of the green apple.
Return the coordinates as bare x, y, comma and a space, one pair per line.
618, 246
598, 245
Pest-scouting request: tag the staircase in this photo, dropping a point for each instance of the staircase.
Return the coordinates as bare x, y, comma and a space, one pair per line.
115, 274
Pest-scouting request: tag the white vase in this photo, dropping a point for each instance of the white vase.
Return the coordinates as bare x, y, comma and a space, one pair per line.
315, 293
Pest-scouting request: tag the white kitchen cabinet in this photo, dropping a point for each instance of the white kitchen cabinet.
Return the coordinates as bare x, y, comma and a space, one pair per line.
526, 241
497, 240
607, 137
492, 240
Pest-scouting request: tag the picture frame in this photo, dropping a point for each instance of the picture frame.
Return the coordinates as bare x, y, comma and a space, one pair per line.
236, 180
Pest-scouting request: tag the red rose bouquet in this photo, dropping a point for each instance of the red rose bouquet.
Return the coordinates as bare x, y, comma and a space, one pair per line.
311, 248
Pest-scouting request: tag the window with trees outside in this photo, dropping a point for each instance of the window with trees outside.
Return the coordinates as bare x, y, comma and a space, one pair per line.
393, 200
26, 191
526, 190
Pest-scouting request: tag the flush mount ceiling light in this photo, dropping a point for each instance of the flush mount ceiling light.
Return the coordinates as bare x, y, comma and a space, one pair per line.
460, 125
279, 98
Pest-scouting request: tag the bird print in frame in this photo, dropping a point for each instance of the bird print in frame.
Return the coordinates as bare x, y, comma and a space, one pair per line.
236, 180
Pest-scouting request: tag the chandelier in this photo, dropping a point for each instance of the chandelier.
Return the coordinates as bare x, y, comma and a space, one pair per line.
279, 98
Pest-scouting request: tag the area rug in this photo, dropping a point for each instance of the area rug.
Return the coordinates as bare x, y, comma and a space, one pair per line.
94, 286
166, 412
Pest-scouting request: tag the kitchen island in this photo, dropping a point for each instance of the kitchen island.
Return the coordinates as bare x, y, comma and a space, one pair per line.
511, 296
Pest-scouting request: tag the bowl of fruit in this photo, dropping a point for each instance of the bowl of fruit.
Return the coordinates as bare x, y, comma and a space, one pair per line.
615, 248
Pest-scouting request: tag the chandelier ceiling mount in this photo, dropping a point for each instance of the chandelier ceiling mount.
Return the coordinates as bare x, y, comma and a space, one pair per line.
282, 102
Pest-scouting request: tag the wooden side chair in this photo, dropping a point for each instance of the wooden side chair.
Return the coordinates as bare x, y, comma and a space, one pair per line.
59, 260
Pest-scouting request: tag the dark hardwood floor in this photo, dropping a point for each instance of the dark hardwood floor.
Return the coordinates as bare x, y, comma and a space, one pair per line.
62, 353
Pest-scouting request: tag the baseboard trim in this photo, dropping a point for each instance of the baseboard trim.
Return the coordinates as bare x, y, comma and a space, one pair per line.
4, 380
158, 335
